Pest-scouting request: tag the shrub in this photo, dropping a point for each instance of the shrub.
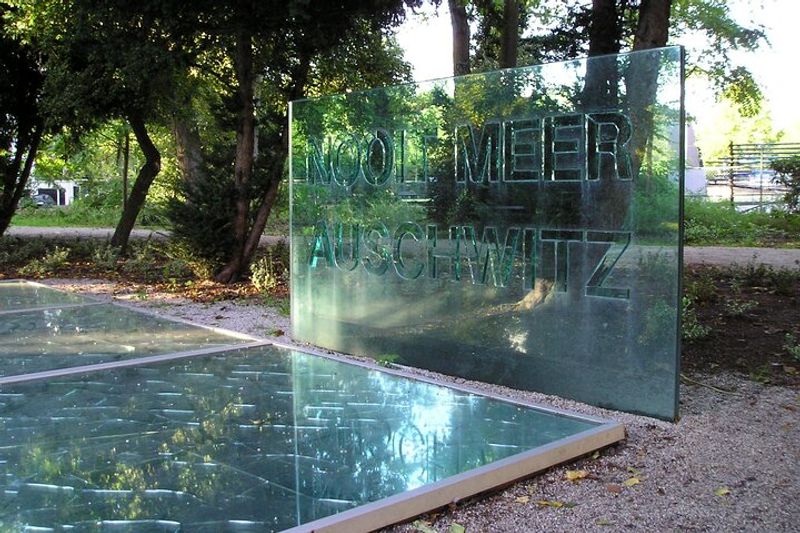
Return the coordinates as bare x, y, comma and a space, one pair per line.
48, 264
692, 330
270, 271
788, 174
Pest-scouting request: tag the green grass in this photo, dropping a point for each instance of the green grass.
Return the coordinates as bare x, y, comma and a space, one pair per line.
718, 223
74, 216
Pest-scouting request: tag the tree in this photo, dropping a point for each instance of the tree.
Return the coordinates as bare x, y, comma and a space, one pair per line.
461, 37
788, 175
22, 123
107, 60
276, 49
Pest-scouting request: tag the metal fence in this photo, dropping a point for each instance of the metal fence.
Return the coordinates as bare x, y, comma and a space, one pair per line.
746, 174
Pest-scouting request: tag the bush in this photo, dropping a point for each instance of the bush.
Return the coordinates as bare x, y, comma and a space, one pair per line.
788, 170
201, 223
718, 223
48, 264
691, 328
270, 271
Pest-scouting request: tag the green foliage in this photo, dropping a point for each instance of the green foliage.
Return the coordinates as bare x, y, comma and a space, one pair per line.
75, 215
270, 271
659, 324
22, 122
141, 263
50, 263
281, 304
712, 60
106, 257
691, 328
201, 218
788, 170
388, 360
792, 346
738, 308
718, 223
702, 290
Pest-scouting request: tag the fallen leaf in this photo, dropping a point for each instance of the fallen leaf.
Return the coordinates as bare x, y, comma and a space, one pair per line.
792, 371
613, 488
633, 471
523, 499
596, 454
424, 527
550, 503
603, 522
576, 475
722, 491
455, 527
631, 482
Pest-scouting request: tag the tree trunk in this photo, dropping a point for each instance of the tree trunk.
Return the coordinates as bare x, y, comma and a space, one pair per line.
16, 177
642, 77
460, 25
145, 177
652, 29
509, 35
601, 86
245, 157
189, 151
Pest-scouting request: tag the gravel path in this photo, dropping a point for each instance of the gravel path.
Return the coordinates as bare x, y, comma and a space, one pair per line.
732, 462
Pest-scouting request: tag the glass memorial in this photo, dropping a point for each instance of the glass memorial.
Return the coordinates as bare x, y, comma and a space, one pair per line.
245, 437
520, 227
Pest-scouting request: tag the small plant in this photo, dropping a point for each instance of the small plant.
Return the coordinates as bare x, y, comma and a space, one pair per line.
738, 308
788, 174
782, 281
692, 329
281, 304
105, 257
387, 360
792, 346
49, 263
659, 324
269, 271
141, 262
703, 289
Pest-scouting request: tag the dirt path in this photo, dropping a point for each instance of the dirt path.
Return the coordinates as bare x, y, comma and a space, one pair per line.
693, 255
723, 256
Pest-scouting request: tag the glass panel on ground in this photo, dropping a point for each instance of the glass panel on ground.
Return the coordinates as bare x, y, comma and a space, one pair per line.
20, 295
47, 339
519, 227
253, 439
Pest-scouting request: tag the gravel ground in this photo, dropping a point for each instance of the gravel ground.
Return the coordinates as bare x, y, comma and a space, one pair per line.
732, 462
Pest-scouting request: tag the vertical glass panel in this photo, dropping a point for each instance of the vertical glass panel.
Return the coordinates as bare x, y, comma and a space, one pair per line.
47, 339
19, 295
520, 227
257, 439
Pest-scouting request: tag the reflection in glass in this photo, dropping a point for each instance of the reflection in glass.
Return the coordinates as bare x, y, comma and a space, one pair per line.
53, 338
519, 227
255, 439
15, 295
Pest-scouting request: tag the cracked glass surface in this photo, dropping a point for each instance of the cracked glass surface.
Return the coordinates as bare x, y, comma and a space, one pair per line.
19, 295
253, 439
48, 339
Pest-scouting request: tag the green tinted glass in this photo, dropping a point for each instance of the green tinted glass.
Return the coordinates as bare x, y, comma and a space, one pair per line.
23, 295
259, 439
519, 227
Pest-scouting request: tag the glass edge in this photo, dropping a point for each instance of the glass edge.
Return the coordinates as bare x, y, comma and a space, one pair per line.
311, 99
